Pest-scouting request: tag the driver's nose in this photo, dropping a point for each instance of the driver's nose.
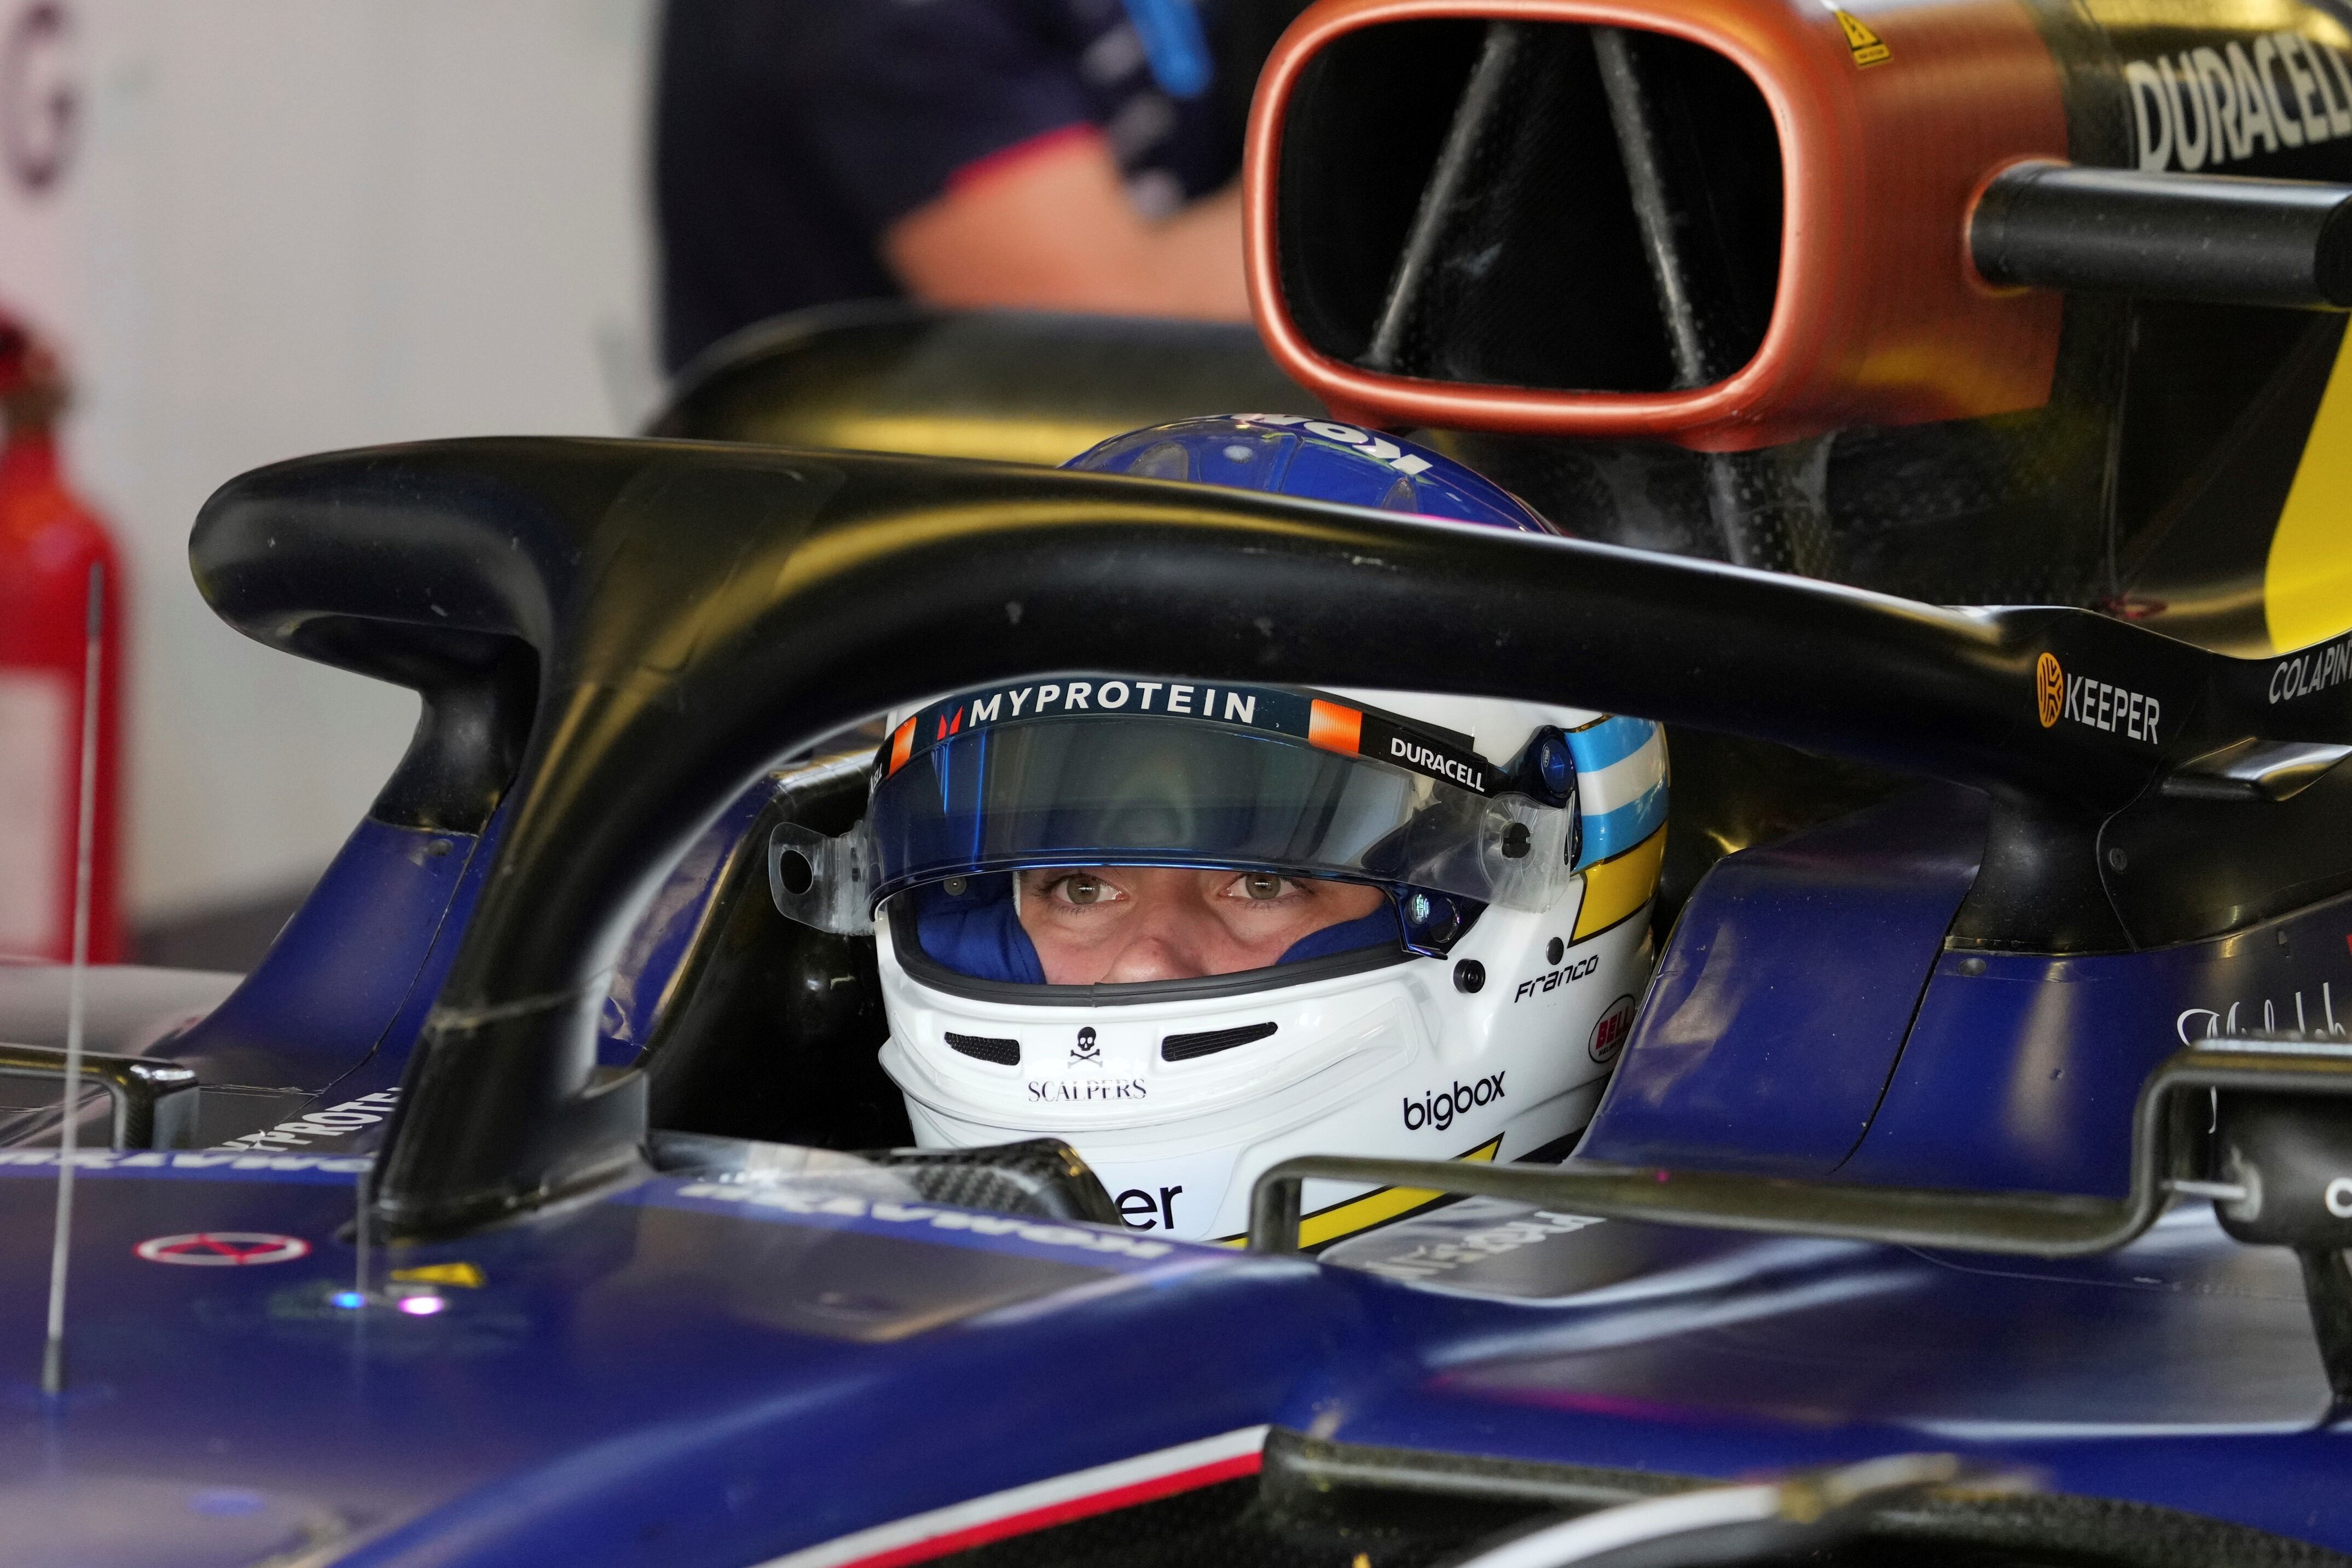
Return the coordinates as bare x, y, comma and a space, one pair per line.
1172, 938
1151, 956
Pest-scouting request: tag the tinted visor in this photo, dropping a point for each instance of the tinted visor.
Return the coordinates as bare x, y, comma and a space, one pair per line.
1100, 788
972, 926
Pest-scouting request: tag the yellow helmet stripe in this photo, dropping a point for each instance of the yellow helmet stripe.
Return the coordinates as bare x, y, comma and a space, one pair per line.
1377, 1208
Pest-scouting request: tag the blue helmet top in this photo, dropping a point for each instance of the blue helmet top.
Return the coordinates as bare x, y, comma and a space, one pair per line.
1317, 459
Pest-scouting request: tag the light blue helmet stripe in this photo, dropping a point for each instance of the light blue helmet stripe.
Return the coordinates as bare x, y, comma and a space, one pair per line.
1612, 740
1613, 833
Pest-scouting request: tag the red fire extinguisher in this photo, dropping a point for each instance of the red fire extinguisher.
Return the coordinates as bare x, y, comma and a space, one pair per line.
48, 542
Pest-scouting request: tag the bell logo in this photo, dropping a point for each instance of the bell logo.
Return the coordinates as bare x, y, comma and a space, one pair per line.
2049, 688
1609, 1031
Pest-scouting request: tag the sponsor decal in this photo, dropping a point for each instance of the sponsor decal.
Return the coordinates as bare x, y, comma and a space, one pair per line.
186, 1161
2312, 671
1322, 722
2250, 98
1866, 46
1363, 441
1610, 1029
2207, 1023
334, 1121
223, 1249
1375, 735
1566, 975
916, 1216
1428, 759
1140, 1210
1085, 1052
1436, 1259
2093, 704
1440, 1108
1061, 1091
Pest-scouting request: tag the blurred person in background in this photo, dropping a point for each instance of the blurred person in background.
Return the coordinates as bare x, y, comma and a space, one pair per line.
1051, 154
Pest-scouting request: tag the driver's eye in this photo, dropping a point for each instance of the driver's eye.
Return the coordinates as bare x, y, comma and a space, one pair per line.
1082, 888
1260, 885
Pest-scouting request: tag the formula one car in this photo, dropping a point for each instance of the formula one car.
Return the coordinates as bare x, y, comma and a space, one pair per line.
1973, 1186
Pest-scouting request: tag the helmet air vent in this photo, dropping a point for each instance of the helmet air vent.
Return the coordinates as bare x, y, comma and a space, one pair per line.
1185, 1047
1003, 1052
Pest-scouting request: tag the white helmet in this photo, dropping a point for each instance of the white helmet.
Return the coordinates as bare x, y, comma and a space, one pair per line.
1458, 974
1507, 851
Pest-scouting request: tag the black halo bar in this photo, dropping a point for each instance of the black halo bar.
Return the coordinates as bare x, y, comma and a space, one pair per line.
2036, 1225
2217, 238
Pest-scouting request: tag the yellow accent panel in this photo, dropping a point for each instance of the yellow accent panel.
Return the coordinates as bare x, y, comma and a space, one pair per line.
1373, 1209
465, 1274
2307, 584
1619, 886
1046, 443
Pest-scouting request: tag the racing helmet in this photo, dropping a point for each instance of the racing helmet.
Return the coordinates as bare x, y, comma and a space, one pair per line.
1371, 923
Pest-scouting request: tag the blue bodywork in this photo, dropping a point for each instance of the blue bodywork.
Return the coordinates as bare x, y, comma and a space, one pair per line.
1761, 1045
346, 987
696, 1373
332, 1013
663, 1375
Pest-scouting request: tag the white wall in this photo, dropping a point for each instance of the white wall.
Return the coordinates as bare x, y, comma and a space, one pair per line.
290, 226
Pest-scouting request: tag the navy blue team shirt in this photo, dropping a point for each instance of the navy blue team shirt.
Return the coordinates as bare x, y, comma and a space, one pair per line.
792, 133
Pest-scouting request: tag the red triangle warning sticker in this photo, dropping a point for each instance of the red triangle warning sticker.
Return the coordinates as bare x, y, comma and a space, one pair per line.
1865, 44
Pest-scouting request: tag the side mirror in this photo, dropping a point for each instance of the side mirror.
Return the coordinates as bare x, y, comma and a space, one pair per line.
2289, 1160
2289, 1157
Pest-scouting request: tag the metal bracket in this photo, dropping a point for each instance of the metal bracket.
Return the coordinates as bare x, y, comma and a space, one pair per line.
2040, 1225
2035, 1224
822, 883
154, 1101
